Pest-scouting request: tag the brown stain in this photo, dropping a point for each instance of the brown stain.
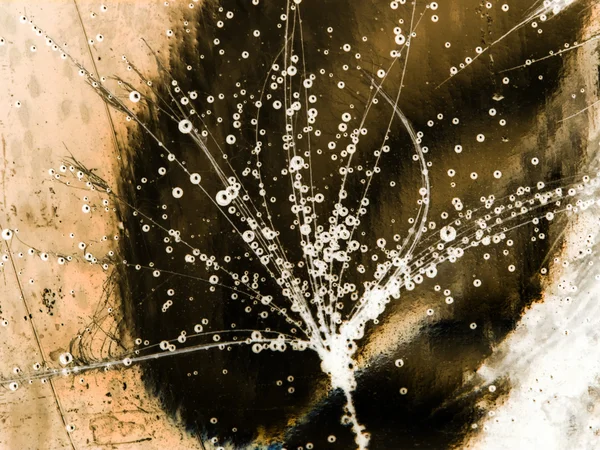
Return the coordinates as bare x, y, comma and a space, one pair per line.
28, 139
14, 57
23, 113
34, 87
65, 109
109, 430
85, 113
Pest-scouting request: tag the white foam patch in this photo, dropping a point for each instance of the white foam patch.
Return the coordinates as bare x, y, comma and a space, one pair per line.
552, 361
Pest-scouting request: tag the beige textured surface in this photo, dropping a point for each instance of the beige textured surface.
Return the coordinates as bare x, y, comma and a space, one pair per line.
59, 110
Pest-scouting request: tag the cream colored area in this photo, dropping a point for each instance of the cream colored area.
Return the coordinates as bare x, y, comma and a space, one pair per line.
58, 111
552, 359
401, 327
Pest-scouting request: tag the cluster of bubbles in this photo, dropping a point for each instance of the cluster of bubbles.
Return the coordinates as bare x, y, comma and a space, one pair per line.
544, 12
326, 311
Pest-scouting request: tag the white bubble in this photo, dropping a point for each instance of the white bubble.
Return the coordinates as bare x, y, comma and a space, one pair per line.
296, 163
400, 39
185, 126
65, 358
223, 198
248, 236
134, 96
448, 233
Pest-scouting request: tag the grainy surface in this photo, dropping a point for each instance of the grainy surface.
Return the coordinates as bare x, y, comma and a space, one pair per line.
59, 114
494, 362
